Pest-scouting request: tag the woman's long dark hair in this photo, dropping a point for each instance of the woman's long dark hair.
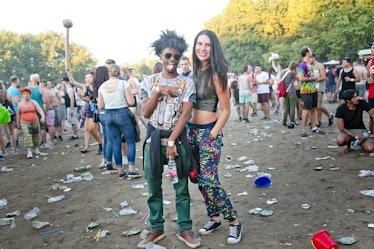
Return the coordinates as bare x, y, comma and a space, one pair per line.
217, 62
101, 75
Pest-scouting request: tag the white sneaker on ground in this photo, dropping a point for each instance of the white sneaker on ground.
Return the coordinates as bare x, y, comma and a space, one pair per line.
29, 154
235, 234
102, 164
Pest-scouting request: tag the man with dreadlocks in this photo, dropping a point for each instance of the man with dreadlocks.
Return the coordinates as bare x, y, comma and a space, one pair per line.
167, 100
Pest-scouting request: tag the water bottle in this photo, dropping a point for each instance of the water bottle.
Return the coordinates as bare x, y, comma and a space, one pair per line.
356, 143
55, 198
173, 173
83, 168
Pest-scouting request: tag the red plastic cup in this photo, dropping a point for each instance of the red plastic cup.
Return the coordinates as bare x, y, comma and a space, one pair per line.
322, 240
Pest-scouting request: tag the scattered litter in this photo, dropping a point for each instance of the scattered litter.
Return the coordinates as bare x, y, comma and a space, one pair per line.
323, 158
58, 198
144, 234
332, 146
145, 218
154, 246
7, 221
131, 232
228, 175
52, 231
368, 192
228, 158
107, 209
347, 240
93, 225
371, 225
255, 210
252, 168
227, 166
6, 169
249, 176
253, 132
364, 173
39, 224
166, 202
242, 193
3, 203
233, 144
12, 214
305, 206
123, 204
266, 212
271, 201
318, 168
32, 213
251, 162
137, 186
334, 168
242, 158
127, 211
272, 169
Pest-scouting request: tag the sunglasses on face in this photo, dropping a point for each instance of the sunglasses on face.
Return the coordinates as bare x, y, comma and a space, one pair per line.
169, 55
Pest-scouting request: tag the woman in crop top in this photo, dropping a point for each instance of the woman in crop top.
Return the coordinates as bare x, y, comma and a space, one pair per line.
204, 131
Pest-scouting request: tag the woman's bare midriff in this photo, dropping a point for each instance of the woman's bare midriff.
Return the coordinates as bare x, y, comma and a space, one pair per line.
201, 117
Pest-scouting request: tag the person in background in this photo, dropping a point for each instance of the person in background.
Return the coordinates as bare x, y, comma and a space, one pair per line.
186, 68
348, 76
71, 107
28, 121
308, 91
370, 81
263, 92
350, 122
235, 94
167, 99
331, 85
157, 67
205, 131
320, 72
13, 89
290, 98
50, 115
61, 110
114, 95
245, 95
91, 128
135, 89
361, 85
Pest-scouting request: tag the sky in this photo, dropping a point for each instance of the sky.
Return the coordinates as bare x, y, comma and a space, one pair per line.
118, 29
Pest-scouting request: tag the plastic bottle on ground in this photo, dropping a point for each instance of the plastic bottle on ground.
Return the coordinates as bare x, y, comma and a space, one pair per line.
173, 173
83, 168
32, 213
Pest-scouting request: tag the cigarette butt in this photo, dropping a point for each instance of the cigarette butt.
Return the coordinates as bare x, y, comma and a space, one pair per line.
48, 196
97, 236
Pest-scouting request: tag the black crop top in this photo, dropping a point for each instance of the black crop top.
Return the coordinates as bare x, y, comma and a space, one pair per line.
206, 97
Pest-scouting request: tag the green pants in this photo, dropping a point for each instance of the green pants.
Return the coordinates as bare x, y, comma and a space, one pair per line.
155, 200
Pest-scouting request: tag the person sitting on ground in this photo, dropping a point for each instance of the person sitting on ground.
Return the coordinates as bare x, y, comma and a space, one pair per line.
350, 122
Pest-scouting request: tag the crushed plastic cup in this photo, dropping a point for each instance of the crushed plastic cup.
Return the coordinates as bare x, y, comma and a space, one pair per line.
3, 202
32, 213
7, 221
322, 240
262, 182
39, 224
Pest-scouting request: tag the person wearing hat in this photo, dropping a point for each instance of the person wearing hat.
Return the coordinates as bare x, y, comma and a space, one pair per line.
350, 122
348, 77
28, 121
370, 81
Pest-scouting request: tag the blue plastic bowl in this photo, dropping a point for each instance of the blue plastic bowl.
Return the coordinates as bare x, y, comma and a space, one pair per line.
262, 182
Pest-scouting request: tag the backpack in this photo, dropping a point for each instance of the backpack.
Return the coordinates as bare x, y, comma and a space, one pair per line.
281, 88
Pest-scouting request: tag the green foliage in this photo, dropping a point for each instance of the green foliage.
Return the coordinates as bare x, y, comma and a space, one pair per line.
44, 53
250, 29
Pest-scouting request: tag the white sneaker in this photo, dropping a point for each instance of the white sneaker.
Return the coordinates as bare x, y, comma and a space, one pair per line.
37, 151
29, 154
102, 164
44, 146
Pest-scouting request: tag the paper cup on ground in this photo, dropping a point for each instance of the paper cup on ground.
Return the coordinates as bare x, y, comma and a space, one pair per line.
322, 240
262, 182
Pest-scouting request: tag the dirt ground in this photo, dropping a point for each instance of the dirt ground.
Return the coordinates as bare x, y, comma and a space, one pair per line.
333, 193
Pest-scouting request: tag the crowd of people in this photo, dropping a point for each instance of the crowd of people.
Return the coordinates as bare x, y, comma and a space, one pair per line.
184, 114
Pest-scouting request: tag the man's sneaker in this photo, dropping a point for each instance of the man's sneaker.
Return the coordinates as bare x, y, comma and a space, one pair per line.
37, 151
254, 114
235, 234
134, 174
331, 119
152, 237
8, 144
60, 137
303, 133
318, 130
29, 154
74, 137
189, 238
44, 146
102, 164
209, 227
109, 166
122, 175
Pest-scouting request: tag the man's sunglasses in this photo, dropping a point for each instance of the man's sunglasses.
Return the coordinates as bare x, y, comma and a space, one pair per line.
169, 55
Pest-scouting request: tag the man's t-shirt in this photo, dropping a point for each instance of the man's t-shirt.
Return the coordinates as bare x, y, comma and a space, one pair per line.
353, 118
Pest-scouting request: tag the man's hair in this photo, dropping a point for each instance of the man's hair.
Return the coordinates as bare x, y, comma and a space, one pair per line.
348, 94
169, 39
13, 78
185, 58
110, 61
245, 69
304, 50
